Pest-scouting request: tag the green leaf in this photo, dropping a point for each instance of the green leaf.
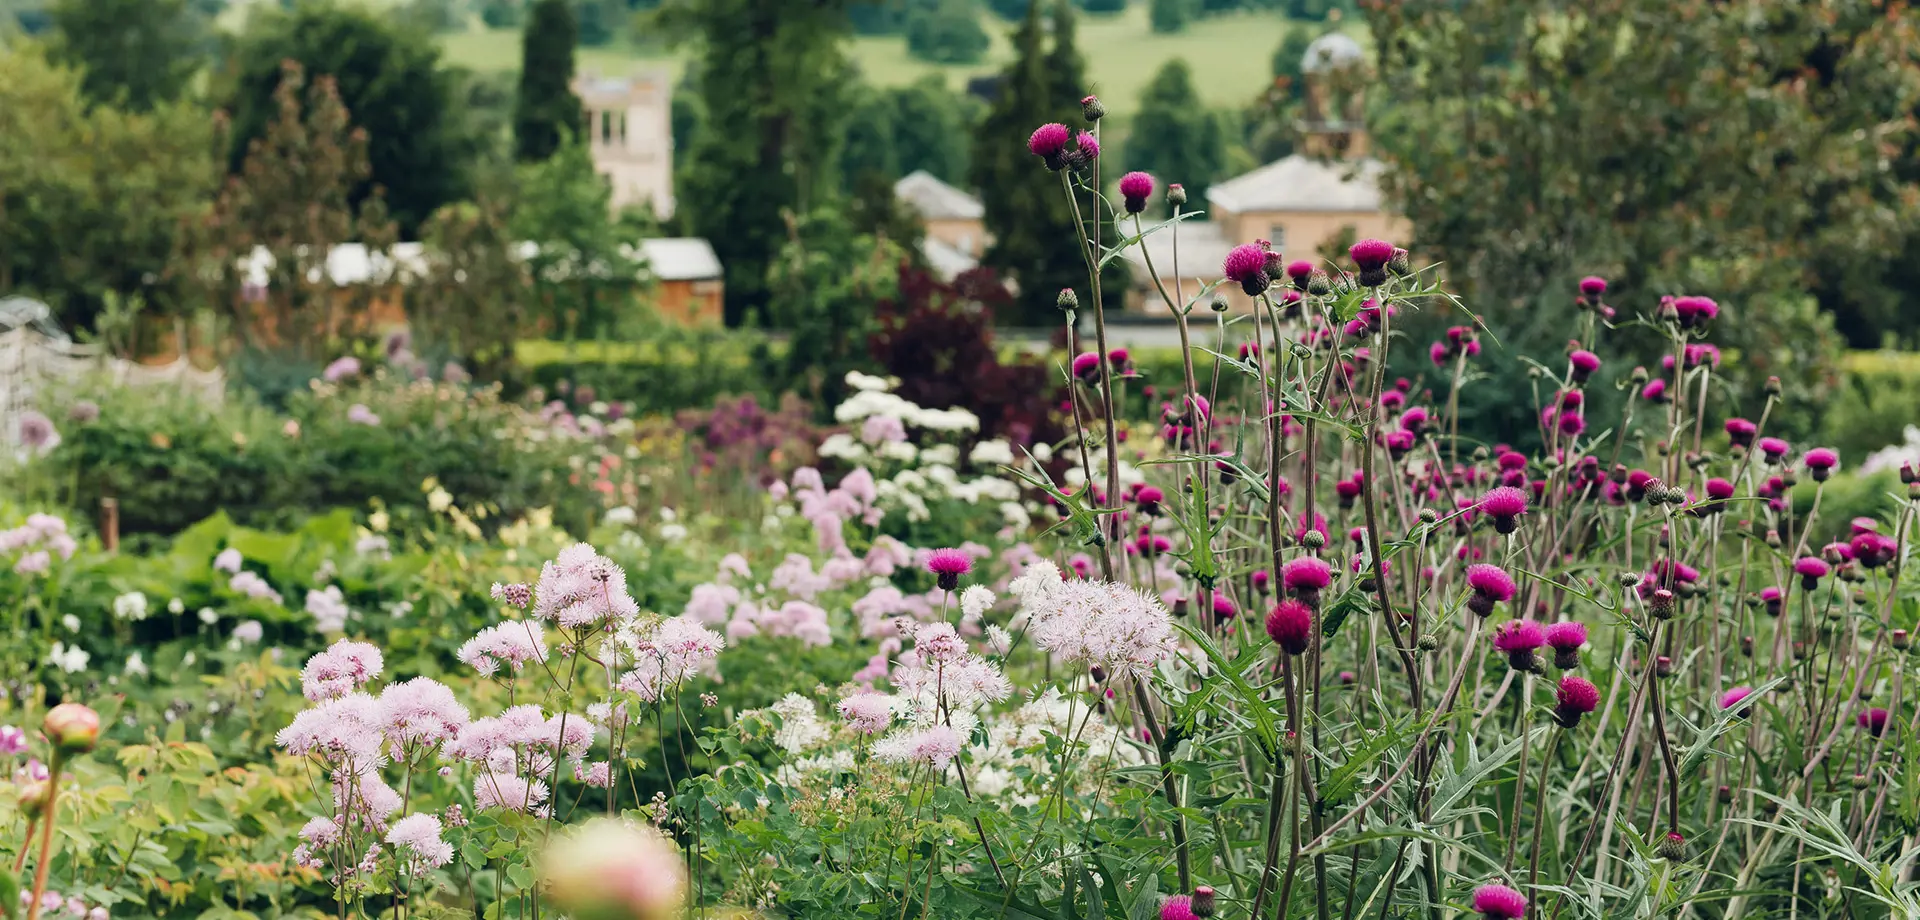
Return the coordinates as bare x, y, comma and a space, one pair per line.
1451, 792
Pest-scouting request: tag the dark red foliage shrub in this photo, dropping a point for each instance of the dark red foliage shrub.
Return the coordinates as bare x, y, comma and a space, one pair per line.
937, 338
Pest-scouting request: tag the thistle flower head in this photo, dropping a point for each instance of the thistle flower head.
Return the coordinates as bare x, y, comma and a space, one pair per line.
1774, 448
1873, 720
1498, 902
1811, 568
1519, 636
1048, 140
1491, 581
1734, 697
1305, 574
1246, 265
1136, 185
1371, 254
1593, 285
1569, 635
1290, 625
1576, 697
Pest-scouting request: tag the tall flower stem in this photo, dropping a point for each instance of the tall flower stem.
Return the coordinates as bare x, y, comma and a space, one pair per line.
1169, 785
1540, 814
45, 861
1090, 249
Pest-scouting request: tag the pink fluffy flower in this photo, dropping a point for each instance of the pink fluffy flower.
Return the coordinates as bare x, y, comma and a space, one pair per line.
1491, 585
1575, 697
1593, 286
1811, 570
947, 565
344, 667
867, 713
1504, 504
936, 746
1178, 907
342, 730
582, 588
419, 836
1246, 265
1520, 640
1305, 578
420, 711
1135, 187
513, 643
1820, 462
508, 792
1370, 254
1498, 902
1735, 697
1873, 720
1566, 639
1290, 625
1049, 142
1116, 628
1583, 363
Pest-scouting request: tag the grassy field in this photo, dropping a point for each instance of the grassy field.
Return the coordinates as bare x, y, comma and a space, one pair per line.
1231, 56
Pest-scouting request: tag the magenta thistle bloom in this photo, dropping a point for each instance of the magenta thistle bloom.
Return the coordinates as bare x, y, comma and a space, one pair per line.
1774, 448
1178, 907
1491, 585
1873, 720
1504, 504
1148, 499
1566, 638
1719, 489
1741, 432
1735, 697
1820, 462
1305, 577
1810, 570
1655, 391
1246, 264
1872, 549
947, 565
1135, 187
1576, 697
1049, 142
1695, 311
1584, 363
1593, 285
1520, 640
1371, 253
1085, 365
1086, 148
1498, 902
1290, 625
1300, 270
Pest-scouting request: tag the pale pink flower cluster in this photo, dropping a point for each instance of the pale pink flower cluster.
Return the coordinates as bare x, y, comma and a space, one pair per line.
228, 560
867, 713
711, 603
667, 655
54, 904
251, 585
363, 796
598, 774
420, 711
583, 588
419, 834
1096, 623
829, 511
344, 667
317, 836
935, 745
510, 792
342, 730
515, 643
37, 541
517, 728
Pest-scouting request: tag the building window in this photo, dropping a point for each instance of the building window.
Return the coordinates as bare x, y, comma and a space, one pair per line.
1277, 235
606, 127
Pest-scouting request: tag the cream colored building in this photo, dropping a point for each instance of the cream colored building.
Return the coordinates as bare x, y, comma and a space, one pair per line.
629, 122
956, 234
1300, 203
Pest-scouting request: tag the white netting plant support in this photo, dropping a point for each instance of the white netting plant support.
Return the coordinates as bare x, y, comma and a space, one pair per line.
36, 355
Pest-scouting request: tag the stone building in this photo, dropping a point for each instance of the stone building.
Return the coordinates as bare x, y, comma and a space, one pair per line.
629, 126
1326, 194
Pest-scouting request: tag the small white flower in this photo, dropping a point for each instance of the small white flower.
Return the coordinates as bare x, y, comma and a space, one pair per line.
130, 606
996, 452
176, 606
974, 601
903, 451
942, 454
622, 516
187, 660
135, 666
439, 500
669, 515
70, 660
71, 622
208, 617
671, 532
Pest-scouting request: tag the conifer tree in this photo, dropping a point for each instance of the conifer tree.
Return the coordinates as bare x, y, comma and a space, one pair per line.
546, 110
1026, 211
1175, 137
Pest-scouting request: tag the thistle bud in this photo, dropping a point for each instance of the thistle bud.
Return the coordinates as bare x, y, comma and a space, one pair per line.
1202, 904
1428, 643
1909, 474
1067, 300
1725, 794
1913, 491
1900, 640
73, 728
1859, 781
1219, 305
1773, 538
1629, 579
1429, 517
1639, 375
1662, 667
1099, 674
1176, 194
1091, 109
1673, 848
1746, 646
1313, 539
1180, 607
1399, 263
1773, 386
1318, 284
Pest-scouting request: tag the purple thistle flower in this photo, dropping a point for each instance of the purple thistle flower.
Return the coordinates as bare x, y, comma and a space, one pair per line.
1498, 902
1290, 625
947, 565
1246, 264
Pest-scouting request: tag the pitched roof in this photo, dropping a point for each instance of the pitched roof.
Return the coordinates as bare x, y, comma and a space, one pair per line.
947, 262
936, 200
681, 259
1299, 183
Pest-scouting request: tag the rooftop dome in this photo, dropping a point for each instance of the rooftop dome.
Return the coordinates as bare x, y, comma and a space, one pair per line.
1331, 51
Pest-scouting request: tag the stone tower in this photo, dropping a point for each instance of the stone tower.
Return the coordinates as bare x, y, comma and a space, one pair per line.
629, 125
1334, 71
